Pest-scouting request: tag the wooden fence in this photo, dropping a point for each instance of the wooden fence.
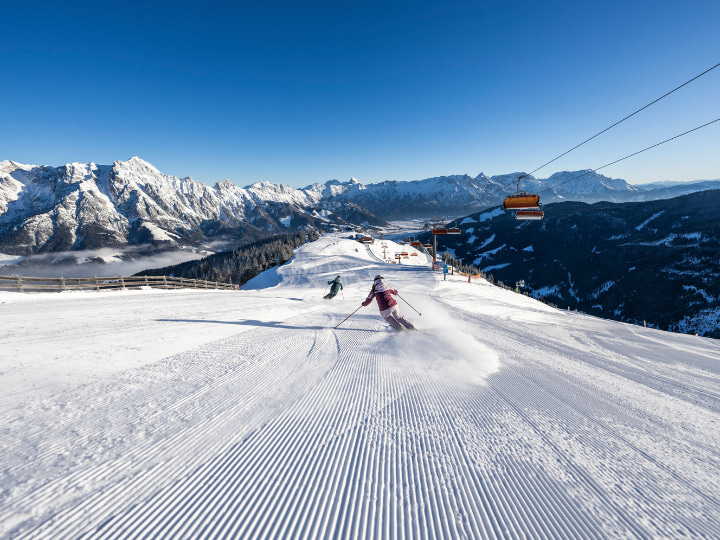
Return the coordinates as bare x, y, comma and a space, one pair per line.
39, 284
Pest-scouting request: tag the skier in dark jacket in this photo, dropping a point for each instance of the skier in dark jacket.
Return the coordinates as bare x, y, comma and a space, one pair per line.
387, 304
336, 287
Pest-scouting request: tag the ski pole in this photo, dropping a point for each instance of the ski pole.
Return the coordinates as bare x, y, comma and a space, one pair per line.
408, 303
346, 318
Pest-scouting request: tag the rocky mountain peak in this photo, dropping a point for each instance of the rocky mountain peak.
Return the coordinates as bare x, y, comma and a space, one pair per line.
224, 184
138, 165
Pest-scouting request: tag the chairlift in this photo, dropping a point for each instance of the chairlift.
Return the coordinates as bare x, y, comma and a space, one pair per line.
529, 214
525, 205
522, 200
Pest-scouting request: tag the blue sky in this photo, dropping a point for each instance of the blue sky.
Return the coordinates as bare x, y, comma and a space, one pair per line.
302, 92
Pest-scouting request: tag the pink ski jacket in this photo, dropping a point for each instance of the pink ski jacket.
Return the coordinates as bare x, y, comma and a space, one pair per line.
382, 294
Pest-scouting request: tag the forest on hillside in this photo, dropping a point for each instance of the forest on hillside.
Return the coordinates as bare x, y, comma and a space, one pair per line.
242, 264
651, 263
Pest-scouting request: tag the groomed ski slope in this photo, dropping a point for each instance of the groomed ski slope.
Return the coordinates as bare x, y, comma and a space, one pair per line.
221, 414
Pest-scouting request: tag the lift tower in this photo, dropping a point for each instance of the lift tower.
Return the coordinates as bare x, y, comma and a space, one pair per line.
436, 227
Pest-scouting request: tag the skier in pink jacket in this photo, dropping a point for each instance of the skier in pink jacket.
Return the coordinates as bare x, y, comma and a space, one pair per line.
387, 304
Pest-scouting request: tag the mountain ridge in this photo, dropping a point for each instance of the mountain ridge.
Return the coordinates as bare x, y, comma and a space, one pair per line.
85, 206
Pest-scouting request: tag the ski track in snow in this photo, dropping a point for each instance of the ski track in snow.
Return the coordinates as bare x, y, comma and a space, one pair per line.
501, 418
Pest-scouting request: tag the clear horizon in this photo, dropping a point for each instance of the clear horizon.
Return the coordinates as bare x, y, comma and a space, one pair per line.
403, 91
543, 176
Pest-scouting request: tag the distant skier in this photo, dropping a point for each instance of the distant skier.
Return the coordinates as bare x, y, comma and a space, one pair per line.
336, 287
387, 304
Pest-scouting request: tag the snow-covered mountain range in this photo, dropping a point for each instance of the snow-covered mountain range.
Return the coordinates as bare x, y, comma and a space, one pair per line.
88, 206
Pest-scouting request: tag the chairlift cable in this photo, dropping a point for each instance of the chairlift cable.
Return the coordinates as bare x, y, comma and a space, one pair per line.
612, 126
526, 205
630, 155
628, 116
